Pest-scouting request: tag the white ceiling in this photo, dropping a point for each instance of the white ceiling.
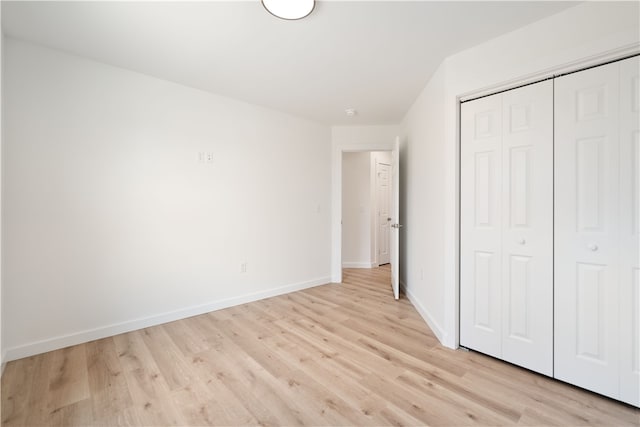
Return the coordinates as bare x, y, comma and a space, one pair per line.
372, 56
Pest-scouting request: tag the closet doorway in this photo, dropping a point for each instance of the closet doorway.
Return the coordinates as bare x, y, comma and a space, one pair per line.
549, 248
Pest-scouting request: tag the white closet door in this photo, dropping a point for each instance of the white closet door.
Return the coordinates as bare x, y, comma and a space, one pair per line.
586, 229
527, 236
629, 231
506, 282
481, 223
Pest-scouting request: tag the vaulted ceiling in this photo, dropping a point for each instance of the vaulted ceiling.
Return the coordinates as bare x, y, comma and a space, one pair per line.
372, 56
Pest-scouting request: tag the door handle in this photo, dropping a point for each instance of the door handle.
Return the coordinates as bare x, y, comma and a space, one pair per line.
388, 219
396, 225
522, 241
593, 247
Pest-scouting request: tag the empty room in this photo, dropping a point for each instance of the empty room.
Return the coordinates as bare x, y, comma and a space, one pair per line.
317, 212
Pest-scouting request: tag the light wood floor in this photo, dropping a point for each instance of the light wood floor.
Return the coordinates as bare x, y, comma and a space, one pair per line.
332, 355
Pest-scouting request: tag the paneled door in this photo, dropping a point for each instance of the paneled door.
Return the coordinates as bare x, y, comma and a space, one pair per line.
481, 225
587, 255
506, 278
527, 227
383, 219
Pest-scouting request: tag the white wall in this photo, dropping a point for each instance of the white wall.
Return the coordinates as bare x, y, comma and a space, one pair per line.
111, 223
351, 137
356, 210
578, 36
421, 210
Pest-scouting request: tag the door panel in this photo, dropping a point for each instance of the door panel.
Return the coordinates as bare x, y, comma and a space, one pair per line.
586, 229
480, 225
589, 183
485, 265
519, 189
527, 232
485, 196
590, 323
518, 318
629, 231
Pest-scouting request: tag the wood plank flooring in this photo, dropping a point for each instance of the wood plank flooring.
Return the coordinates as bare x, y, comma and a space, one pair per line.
331, 355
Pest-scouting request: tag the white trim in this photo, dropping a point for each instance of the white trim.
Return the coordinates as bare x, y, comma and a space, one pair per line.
360, 148
352, 264
572, 66
438, 331
62, 341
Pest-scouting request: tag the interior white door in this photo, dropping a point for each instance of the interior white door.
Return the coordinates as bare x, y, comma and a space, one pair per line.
587, 321
527, 227
395, 219
506, 278
630, 231
481, 225
383, 198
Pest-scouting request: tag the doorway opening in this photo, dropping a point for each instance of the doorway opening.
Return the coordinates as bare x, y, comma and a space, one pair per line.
337, 211
366, 209
366, 218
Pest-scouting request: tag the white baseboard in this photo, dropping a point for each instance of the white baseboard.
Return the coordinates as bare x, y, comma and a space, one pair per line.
359, 265
63, 341
433, 325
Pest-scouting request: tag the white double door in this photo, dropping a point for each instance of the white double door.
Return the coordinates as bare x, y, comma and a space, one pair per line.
597, 223
506, 275
550, 226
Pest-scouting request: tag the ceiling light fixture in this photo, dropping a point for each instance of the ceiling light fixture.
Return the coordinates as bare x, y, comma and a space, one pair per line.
350, 112
289, 9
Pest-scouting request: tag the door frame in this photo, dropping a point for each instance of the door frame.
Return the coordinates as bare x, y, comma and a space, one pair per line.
336, 198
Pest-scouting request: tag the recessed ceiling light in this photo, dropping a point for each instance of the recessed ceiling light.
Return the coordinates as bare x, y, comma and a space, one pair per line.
289, 9
350, 112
